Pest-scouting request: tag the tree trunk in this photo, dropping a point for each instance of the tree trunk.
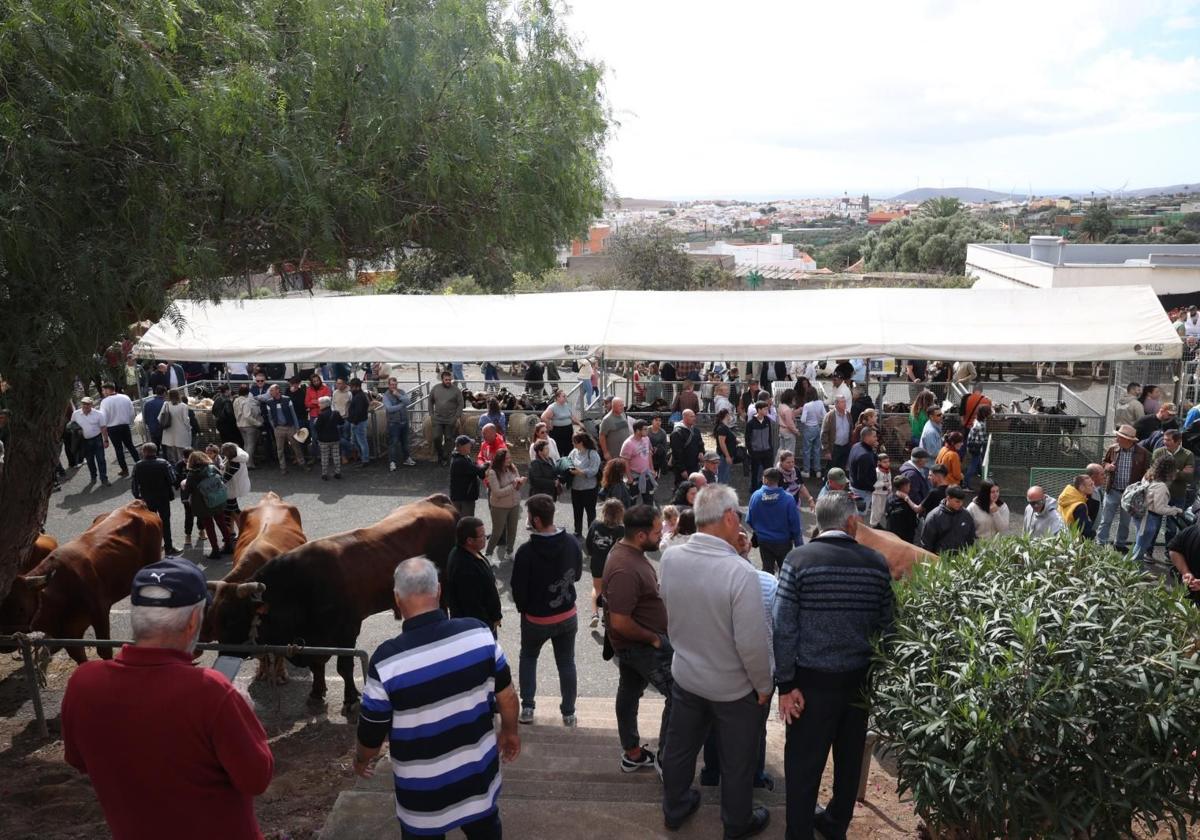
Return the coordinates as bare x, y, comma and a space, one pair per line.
36, 423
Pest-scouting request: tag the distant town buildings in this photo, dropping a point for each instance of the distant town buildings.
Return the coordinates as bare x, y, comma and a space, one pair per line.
595, 243
776, 253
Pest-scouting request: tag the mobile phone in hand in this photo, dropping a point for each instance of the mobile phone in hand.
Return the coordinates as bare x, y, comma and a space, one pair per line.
229, 666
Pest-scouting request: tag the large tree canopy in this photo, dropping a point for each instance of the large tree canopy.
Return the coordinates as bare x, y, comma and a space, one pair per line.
927, 243
153, 148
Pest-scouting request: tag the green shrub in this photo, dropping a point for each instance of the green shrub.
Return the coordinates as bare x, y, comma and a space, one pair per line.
1042, 689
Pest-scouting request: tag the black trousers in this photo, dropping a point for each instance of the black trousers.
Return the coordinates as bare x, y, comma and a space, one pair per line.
737, 724
840, 455
163, 509
835, 717
485, 828
122, 439
759, 461
583, 502
772, 555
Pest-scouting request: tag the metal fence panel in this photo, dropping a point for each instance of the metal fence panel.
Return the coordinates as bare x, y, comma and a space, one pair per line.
1052, 479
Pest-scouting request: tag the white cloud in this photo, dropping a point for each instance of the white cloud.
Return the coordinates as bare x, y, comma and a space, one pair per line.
786, 97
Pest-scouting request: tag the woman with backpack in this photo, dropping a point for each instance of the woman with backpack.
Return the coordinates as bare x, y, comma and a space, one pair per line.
612, 483
204, 489
602, 535
1156, 504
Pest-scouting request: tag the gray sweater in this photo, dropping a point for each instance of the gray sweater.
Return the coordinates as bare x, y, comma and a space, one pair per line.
446, 403
716, 620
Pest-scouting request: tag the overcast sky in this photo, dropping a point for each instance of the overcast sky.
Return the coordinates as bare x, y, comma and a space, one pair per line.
721, 98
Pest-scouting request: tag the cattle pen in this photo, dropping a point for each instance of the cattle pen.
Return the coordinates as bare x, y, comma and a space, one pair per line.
980, 325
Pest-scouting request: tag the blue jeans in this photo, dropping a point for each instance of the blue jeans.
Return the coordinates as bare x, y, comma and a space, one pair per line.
358, 433
456, 369
974, 468
1109, 508
562, 637
93, 453
398, 442
1170, 523
1147, 533
588, 391
724, 468
810, 448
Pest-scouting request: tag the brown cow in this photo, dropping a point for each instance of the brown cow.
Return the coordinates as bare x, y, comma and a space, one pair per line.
901, 556
321, 591
42, 547
74, 586
266, 530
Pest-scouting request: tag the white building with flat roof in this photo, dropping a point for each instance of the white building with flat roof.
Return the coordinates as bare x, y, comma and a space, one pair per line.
1046, 262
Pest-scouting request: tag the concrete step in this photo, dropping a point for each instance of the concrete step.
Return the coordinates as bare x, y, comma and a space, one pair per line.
361, 815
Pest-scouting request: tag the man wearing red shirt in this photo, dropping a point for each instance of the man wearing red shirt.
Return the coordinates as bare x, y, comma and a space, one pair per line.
493, 442
172, 750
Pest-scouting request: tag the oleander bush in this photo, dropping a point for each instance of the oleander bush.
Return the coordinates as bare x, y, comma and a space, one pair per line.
1042, 689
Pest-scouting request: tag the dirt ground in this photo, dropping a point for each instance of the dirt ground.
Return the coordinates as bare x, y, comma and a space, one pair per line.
41, 796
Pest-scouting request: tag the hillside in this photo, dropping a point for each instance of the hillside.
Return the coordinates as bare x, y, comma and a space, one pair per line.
1174, 189
970, 195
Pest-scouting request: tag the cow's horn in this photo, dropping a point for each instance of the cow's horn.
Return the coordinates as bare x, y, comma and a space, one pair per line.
214, 585
251, 590
37, 582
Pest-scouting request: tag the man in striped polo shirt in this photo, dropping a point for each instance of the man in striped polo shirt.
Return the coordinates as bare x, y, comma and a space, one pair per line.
432, 690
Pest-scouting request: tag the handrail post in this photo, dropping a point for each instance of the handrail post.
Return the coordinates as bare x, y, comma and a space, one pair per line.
31, 677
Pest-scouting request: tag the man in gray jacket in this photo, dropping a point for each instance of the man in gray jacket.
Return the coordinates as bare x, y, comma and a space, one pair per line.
721, 669
446, 405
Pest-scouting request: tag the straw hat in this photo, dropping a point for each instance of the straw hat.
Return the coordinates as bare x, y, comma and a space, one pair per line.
301, 436
1126, 431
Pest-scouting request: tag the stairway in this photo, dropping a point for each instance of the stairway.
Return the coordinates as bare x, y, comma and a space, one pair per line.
567, 783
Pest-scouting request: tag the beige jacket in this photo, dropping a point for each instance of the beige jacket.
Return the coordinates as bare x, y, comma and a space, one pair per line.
503, 491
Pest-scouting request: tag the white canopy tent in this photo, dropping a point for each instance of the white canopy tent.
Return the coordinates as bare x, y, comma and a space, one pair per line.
1010, 325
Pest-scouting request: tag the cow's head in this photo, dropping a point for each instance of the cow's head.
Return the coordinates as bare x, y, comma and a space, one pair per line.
21, 604
234, 605
231, 615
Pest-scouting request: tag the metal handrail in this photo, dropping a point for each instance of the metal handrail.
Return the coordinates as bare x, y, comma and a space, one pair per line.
28, 641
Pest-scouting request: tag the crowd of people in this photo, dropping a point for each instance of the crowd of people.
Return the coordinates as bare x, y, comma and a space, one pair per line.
676, 599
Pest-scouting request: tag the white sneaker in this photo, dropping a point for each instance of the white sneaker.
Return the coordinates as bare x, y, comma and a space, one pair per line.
392, 466
410, 462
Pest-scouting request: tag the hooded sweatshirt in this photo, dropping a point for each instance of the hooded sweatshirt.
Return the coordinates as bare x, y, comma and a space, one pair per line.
774, 516
919, 488
543, 577
1068, 501
1128, 410
1044, 524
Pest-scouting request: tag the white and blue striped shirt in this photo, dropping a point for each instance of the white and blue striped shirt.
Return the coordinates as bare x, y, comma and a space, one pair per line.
431, 691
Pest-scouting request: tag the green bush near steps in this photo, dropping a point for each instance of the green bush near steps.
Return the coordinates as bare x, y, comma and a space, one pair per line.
1042, 689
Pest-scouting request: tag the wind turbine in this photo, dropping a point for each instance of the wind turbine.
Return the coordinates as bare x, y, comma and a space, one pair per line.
1118, 190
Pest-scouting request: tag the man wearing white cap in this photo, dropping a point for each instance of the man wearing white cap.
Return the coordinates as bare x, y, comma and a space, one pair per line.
1125, 463
92, 423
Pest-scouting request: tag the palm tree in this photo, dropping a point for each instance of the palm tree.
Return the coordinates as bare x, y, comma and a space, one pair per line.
941, 207
1097, 223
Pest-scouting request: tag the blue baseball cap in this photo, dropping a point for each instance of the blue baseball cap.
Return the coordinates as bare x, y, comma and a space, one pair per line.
182, 579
